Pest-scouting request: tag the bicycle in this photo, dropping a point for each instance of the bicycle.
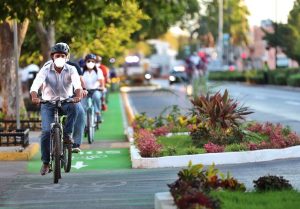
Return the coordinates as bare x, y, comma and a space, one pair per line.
91, 118
60, 153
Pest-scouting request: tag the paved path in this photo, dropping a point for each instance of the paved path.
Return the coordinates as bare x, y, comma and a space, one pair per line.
126, 189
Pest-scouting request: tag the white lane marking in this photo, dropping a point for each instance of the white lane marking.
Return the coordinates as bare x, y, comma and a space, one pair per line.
113, 152
78, 165
293, 103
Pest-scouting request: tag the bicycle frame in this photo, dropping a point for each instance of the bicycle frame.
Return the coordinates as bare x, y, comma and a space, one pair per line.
57, 146
56, 123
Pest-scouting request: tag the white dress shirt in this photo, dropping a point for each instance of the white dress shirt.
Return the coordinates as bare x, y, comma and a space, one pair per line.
56, 85
91, 79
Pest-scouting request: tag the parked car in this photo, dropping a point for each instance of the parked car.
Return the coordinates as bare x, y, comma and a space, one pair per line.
178, 75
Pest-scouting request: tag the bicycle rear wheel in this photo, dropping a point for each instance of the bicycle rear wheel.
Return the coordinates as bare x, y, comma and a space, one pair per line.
90, 127
56, 155
67, 160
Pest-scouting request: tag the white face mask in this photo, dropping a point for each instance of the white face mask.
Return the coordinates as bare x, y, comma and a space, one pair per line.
90, 65
59, 62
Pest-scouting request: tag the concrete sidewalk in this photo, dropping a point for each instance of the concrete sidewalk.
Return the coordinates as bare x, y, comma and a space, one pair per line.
13, 153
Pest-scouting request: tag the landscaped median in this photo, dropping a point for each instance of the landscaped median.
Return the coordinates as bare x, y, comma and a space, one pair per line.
213, 133
208, 158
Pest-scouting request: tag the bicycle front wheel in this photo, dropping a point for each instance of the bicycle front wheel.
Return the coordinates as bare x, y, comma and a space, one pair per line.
56, 139
67, 161
90, 127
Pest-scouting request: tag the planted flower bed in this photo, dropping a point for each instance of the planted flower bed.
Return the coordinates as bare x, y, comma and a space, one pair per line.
216, 124
197, 187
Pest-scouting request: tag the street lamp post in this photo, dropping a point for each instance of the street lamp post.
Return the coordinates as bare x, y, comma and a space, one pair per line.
220, 31
275, 31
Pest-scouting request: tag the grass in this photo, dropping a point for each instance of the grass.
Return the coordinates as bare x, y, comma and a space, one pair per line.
182, 145
256, 200
112, 128
94, 159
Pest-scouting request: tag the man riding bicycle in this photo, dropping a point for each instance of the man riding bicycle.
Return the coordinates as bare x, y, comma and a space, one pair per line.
79, 122
57, 80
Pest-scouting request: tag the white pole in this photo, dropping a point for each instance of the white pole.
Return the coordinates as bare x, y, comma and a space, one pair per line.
17, 73
220, 31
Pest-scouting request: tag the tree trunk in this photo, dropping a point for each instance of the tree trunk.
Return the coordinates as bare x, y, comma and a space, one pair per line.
47, 38
7, 67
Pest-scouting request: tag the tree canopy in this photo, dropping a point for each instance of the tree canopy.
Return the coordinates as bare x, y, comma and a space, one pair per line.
163, 14
235, 21
287, 36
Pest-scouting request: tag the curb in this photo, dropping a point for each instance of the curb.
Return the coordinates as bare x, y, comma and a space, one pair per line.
223, 158
164, 200
128, 110
26, 154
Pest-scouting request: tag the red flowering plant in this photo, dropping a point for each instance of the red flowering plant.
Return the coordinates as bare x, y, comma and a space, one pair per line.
276, 136
147, 144
212, 148
161, 131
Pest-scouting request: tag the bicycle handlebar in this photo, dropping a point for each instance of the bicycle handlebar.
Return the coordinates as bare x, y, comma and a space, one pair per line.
56, 102
93, 90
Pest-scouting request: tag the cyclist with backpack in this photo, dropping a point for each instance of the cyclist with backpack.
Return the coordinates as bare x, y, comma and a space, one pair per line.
93, 79
57, 80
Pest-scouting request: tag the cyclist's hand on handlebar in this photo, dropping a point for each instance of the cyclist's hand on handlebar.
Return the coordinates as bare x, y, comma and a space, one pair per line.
36, 100
76, 99
34, 97
84, 93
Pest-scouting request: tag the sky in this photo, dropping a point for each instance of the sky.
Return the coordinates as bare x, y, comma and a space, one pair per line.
261, 10
266, 9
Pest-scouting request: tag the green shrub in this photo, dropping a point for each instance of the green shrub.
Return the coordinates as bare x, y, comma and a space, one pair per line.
255, 76
271, 183
294, 80
226, 76
236, 147
281, 79
254, 137
200, 137
276, 76
169, 151
192, 150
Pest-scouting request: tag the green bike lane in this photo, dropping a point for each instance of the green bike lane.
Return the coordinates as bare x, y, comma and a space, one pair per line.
109, 150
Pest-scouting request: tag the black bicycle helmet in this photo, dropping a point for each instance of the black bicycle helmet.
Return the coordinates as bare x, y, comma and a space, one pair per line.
90, 57
60, 48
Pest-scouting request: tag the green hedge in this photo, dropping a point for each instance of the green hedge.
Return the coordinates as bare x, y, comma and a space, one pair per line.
226, 76
294, 80
255, 76
288, 76
280, 79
